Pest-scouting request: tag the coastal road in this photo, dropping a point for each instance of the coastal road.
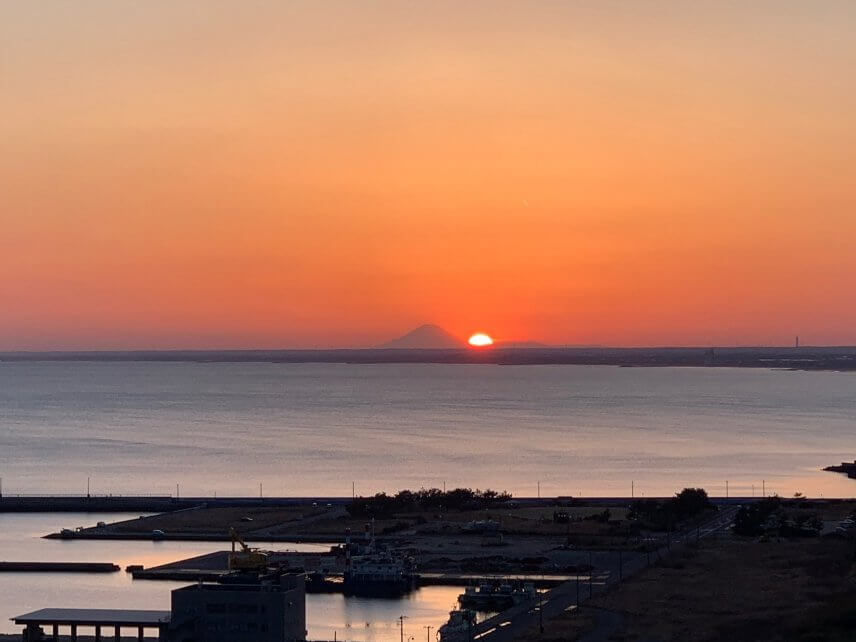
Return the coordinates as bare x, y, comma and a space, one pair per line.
526, 618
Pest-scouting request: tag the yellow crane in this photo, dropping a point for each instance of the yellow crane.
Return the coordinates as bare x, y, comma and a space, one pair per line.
246, 559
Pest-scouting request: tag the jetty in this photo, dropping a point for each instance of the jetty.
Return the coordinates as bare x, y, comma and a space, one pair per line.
848, 468
58, 567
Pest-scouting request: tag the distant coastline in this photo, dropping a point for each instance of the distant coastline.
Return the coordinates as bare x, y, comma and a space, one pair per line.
841, 358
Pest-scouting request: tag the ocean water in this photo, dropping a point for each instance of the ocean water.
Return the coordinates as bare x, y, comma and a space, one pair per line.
313, 429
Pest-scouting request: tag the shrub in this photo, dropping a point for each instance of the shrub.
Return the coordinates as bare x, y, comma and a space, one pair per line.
751, 519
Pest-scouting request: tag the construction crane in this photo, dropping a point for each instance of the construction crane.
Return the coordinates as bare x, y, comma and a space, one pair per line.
246, 559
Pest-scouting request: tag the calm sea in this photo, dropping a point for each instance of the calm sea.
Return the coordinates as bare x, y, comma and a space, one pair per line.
298, 429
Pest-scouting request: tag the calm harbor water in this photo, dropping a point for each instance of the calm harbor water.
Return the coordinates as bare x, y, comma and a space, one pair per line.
357, 619
312, 429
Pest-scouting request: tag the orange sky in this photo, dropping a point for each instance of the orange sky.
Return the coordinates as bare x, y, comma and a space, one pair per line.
268, 174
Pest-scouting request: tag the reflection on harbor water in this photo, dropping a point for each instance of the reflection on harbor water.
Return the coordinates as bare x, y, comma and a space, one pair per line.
333, 615
328, 615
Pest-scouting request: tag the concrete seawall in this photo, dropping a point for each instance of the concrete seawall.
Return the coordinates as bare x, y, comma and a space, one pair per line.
58, 567
142, 504
163, 504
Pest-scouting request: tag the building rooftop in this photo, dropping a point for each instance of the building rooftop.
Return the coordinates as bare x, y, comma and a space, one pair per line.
91, 617
234, 588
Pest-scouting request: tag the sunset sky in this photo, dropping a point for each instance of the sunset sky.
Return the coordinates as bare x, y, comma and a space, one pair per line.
201, 174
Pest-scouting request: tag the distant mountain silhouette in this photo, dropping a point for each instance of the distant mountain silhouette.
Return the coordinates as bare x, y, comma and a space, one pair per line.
519, 344
425, 337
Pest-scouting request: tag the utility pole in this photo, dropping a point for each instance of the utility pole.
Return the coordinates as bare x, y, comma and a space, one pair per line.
428, 636
401, 619
177, 495
260, 490
763, 488
591, 573
87, 487
632, 489
353, 490
539, 490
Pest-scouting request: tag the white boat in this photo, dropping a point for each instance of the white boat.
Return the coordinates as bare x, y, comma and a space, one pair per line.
378, 573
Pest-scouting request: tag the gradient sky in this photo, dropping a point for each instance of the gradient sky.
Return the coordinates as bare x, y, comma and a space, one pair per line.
298, 174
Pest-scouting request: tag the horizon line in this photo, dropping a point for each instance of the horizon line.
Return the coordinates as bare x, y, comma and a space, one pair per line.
467, 349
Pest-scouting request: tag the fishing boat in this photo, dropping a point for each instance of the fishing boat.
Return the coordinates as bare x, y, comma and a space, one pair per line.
496, 597
378, 573
459, 626
373, 570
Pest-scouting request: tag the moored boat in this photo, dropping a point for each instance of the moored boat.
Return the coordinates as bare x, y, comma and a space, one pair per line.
459, 627
496, 597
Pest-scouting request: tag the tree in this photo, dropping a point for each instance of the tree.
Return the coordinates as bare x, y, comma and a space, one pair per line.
690, 502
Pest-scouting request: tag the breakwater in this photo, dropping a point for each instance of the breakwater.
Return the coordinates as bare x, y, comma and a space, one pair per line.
142, 503
58, 567
166, 504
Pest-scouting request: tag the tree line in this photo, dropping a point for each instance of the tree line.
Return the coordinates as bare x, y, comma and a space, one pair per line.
382, 505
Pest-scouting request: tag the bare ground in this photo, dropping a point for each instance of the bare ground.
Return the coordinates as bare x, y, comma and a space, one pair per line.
734, 590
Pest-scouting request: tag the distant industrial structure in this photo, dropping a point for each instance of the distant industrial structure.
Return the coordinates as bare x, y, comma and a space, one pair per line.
272, 610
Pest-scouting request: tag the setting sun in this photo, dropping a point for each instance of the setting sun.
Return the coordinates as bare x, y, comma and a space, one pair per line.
480, 340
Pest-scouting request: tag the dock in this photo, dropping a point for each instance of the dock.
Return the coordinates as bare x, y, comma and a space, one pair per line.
471, 579
207, 568
212, 567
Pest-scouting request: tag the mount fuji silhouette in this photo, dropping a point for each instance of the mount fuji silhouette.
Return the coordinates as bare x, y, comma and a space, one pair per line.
425, 337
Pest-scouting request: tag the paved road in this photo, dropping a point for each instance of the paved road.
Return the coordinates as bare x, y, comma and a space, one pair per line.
512, 623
